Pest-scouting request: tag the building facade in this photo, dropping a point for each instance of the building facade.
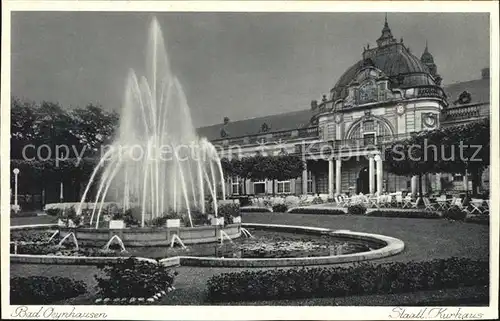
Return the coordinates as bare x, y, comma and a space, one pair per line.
387, 95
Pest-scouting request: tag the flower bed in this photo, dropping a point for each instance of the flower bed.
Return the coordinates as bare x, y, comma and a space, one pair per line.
360, 279
316, 210
132, 281
44, 290
404, 214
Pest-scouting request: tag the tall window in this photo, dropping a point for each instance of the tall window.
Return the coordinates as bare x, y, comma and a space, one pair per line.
259, 187
284, 187
309, 182
235, 185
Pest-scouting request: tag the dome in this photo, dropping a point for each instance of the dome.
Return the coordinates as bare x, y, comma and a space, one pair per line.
396, 62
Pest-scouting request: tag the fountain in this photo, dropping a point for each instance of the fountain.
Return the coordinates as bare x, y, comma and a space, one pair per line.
118, 240
157, 159
75, 242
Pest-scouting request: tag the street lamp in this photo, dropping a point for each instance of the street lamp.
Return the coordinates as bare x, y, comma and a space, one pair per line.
16, 172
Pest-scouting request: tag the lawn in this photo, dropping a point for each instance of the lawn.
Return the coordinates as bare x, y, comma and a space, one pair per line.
424, 239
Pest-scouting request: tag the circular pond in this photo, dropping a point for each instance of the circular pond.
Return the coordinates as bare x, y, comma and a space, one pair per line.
259, 245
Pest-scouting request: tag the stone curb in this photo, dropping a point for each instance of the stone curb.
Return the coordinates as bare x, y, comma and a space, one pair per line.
392, 246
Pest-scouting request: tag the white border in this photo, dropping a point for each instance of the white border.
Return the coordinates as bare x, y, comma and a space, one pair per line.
241, 312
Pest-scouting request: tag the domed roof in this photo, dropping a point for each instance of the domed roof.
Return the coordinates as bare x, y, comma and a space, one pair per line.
394, 59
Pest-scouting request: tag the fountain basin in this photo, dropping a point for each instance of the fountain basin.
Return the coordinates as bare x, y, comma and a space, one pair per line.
387, 246
151, 236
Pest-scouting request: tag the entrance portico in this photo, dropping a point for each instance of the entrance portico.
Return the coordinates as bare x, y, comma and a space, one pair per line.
341, 167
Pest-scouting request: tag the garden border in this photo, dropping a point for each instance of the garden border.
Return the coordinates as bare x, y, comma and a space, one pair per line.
392, 246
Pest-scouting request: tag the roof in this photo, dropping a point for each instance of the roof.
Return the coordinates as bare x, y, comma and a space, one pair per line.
393, 60
479, 90
252, 126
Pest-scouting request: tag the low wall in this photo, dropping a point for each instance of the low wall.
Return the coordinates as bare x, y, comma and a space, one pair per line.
152, 236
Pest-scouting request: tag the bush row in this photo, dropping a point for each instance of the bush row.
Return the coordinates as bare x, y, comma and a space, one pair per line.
359, 279
255, 209
133, 278
44, 290
407, 214
319, 211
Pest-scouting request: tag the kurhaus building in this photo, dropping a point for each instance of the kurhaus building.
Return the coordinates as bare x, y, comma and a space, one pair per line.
387, 95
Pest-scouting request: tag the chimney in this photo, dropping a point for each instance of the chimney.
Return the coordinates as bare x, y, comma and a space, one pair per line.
485, 73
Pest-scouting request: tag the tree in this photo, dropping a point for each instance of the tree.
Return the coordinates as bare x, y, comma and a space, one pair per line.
457, 149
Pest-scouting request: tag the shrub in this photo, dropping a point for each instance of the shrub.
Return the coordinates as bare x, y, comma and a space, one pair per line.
359, 279
319, 211
132, 216
356, 209
255, 209
404, 214
133, 278
44, 290
244, 200
454, 213
228, 211
54, 212
160, 221
281, 208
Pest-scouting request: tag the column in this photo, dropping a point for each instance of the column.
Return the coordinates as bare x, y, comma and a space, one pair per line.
414, 185
371, 174
330, 178
380, 174
466, 181
338, 183
304, 179
438, 182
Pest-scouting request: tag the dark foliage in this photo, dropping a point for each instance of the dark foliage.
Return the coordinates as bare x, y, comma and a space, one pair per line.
356, 209
359, 279
319, 211
454, 213
133, 278
44, 290
280, 208
404, 214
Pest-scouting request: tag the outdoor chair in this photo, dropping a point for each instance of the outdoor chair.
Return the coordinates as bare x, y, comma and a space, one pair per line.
428, 205
373, 201
477, 206
410, 203
460, 204
399, 200
341, 200
442, 203
384, 201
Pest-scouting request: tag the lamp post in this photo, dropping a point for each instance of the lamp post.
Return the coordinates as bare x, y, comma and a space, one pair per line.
16, 172
61, 194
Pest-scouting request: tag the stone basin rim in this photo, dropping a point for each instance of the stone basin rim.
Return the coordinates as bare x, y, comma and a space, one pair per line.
392, 247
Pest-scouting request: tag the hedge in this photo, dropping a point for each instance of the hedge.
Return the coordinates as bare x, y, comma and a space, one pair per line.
404, 214
255, 209
316, 210
358, 279
133, 278
44, 290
